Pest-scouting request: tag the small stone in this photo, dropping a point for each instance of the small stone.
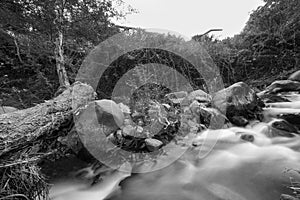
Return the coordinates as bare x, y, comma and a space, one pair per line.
153, 144
124, 108
128, 122
129, 130
139, 129
177, 97
200, 96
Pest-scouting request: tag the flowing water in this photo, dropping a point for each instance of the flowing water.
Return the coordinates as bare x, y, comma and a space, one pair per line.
245, 164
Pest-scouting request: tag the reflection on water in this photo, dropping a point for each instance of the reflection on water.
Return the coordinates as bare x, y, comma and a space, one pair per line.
245, 164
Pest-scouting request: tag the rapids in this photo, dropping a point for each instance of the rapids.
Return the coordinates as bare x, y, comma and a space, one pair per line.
244, 164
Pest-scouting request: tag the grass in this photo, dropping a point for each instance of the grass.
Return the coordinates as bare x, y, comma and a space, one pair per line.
22, 180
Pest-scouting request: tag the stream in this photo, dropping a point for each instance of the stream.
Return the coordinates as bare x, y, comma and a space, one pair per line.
236, 169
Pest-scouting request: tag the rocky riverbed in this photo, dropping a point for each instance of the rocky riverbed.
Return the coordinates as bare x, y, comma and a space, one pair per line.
240, 144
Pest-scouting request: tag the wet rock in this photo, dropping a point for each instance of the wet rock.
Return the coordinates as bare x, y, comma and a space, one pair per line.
212, 118
109, 114
247, 137
238, 100
281, 86
283, 125
153, 144
239, 121
272, 98
295, 76
292, 118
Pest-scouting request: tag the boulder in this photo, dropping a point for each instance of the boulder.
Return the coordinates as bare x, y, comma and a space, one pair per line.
238, 100
109, 114
153, 144
295, 76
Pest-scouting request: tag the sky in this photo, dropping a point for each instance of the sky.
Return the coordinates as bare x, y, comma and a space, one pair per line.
192, 17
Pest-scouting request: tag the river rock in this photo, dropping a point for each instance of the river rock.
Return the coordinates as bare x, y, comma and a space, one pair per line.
212, 118
153, 144
283, 125
280, 127
129, 130
272, 98
238, 100
292, 118
177, 97
200, 96
109, 114
281, 86
239, 121
295, 76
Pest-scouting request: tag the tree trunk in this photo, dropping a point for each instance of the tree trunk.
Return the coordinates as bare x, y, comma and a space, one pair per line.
59, 52
26, 129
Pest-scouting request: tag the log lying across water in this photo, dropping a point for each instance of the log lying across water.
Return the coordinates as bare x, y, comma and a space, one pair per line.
23, 129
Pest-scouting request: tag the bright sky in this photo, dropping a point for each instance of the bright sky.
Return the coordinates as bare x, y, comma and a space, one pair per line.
191, 17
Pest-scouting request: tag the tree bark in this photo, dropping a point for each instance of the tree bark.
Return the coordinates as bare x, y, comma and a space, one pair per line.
25, 128
59, 52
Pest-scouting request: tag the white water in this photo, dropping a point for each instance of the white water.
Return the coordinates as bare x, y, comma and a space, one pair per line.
233, 170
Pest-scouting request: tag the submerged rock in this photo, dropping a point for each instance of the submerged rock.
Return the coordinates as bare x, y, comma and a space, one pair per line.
238, 100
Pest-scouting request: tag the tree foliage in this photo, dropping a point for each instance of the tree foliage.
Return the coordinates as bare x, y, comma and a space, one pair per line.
28, 32
268, 48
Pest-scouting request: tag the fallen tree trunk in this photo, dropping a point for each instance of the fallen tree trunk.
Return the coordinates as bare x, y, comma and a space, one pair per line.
23, 128
27, 136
